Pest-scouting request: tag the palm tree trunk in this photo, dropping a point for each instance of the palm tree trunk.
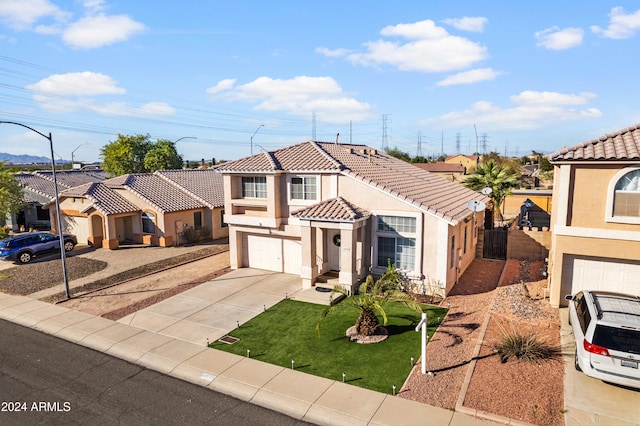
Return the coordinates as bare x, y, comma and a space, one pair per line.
367, 323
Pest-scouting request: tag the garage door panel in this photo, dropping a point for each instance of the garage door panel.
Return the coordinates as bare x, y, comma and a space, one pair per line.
271, 254
605, 274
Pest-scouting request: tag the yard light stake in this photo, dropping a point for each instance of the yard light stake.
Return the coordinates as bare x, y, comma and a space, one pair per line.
343, 376
293, 364
412, 361
394, 390
264, 307
238, 323
207, 342
248, 353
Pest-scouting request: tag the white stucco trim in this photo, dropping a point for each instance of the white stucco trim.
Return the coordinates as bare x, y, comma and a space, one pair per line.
606, 234
562, 205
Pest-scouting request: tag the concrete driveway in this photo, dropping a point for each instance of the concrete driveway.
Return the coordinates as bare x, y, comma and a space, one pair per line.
213, 309
590, 401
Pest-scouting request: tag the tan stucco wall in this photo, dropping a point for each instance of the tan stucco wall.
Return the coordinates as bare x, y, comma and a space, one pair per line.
513, 202
589, 198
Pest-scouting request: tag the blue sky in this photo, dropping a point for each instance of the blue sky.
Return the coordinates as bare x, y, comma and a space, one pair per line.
422, 75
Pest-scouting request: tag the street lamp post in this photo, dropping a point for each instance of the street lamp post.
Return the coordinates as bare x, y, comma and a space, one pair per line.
254, 133
74, 151
184, 137
63, 256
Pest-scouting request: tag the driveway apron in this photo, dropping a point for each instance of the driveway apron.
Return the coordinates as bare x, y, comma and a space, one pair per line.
211, 310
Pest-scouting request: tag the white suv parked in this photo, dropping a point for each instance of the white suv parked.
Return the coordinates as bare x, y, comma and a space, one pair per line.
606, 327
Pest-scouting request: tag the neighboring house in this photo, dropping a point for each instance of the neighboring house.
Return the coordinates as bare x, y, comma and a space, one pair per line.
595, 221
39, 190
452, 172
514, 201
317, 207
469, 162
146, 208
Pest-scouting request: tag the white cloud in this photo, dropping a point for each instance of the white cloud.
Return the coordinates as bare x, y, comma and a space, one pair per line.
621, 25
332, 53
299, 96
78, 91
429, 49
469, 77
101, 30
77, 84
555, 38
531, 97
532, 110
222, 86
21, 15
468, 23
94, 6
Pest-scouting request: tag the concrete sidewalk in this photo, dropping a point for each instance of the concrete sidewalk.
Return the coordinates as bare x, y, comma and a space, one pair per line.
300, 395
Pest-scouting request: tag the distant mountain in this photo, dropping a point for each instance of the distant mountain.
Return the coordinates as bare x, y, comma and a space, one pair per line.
27, 159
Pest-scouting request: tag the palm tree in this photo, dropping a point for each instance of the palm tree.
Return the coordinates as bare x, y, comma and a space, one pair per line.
372, 299
499, 177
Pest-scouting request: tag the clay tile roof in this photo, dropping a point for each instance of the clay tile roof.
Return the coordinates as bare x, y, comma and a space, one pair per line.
441, 167
204, 184
306, 156
104, 199
426, 191
41, 182
623, 145
155, 190
334, 209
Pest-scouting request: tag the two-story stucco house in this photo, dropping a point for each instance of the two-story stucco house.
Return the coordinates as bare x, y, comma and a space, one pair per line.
316, 207
595, 221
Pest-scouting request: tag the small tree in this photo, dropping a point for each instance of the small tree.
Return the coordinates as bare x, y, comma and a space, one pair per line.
372, 299
162, 156
11, 193
125, 155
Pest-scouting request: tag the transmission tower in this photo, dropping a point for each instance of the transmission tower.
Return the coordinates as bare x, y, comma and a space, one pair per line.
384, 131
484, 143
313, 126
458, 143
419, 152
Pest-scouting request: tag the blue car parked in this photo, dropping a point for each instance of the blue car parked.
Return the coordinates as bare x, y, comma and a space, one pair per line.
25, 247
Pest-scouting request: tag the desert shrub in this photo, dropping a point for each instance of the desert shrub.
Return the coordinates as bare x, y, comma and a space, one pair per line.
523, 345
192, 235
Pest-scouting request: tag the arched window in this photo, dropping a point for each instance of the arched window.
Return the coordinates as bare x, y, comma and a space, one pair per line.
148, 223
624, 197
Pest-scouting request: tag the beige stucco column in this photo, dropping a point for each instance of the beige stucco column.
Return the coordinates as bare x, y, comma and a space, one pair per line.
348, 244
309, 267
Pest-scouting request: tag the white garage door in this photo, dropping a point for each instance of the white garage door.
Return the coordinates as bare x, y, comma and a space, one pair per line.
589, 273
271, 254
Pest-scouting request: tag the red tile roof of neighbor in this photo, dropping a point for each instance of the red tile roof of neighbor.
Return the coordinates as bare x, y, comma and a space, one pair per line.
103, 199
623, 145
426, 191
203, 184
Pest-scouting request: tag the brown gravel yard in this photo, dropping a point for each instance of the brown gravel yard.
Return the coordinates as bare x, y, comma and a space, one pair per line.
524, 391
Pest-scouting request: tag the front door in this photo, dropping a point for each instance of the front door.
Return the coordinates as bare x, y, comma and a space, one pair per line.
334, 249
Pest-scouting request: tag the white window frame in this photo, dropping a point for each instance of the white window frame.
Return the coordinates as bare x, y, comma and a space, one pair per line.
416, 236
611, 193
255, 192
300, 201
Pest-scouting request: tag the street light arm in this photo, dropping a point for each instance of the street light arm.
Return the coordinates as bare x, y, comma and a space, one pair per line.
184, 137
27, 127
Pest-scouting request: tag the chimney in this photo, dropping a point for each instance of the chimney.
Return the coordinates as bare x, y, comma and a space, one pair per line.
337, 135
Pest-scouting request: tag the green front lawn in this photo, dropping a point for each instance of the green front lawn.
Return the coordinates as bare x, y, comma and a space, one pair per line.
287, 331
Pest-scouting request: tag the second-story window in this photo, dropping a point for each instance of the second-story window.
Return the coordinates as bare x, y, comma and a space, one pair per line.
304, 188
254, 187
